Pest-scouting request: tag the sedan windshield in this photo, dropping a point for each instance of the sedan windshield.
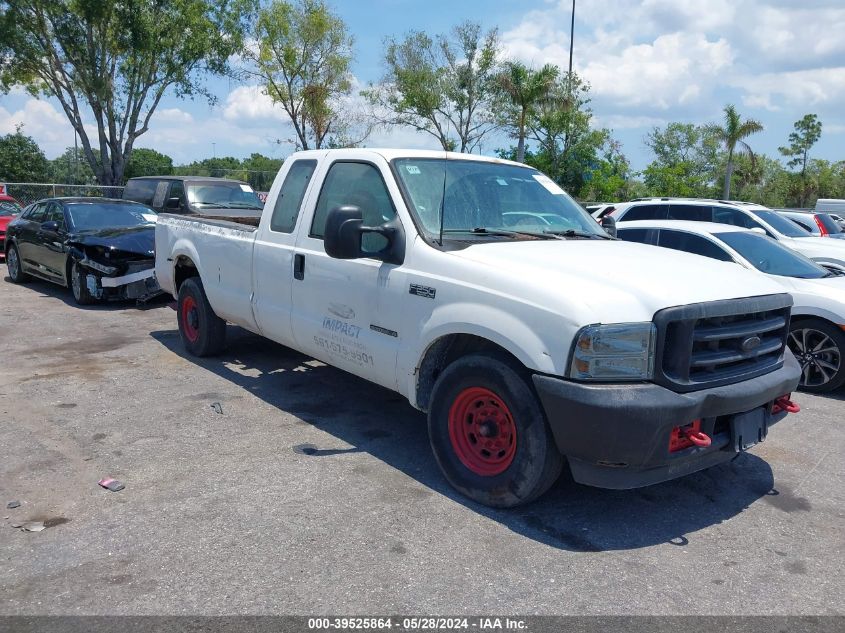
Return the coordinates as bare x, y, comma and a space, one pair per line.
768, 256
781, 224
227, 195
103, 215
490, 199
8, 208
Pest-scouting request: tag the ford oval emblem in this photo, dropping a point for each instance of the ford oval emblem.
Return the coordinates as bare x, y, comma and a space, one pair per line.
750, 343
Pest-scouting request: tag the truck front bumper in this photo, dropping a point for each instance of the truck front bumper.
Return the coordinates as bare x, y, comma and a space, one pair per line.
617, 436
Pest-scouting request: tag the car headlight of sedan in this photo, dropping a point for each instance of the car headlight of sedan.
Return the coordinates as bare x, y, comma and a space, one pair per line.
620, 351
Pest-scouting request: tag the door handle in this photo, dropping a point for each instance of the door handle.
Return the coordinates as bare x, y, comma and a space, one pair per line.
299, 266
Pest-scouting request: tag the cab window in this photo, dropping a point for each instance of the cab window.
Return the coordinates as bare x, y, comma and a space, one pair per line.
360, 185
290, 196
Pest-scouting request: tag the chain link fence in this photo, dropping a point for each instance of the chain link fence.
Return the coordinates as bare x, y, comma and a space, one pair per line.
29, 192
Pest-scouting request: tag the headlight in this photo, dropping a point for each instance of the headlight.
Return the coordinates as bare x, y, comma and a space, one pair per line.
622, 351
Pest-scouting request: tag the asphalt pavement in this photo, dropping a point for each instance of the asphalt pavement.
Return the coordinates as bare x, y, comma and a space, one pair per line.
263, 482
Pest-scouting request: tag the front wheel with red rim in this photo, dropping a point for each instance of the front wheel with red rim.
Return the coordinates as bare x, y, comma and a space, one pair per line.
488, 431
203, 332
482, 431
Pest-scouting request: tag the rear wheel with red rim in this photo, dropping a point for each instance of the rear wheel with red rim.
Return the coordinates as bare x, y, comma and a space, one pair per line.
488, 431
203, 332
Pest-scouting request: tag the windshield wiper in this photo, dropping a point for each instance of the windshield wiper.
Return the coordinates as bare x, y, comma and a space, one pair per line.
480, 230
574, 233
244, 205
214, 204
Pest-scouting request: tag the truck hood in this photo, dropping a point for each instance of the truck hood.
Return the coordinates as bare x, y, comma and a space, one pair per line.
139, 240
612, 281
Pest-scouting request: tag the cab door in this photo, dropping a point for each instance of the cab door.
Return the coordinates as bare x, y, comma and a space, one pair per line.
274, 253
347, 312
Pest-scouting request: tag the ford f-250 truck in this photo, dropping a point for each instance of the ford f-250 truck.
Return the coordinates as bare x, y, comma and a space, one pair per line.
483, 293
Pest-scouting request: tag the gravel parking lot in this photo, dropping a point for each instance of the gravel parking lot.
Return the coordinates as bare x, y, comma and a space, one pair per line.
316, 492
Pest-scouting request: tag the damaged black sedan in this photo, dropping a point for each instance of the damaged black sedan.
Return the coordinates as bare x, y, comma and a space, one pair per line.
100, 248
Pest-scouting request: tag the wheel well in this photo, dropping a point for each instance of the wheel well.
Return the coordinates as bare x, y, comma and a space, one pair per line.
184, 269
443, 352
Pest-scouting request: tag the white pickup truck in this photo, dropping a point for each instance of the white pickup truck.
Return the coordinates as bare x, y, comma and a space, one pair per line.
480, 291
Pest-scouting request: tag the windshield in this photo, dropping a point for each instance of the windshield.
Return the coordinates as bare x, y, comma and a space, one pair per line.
228, 195
768, 256
781, 224
88, 216
7, 207
484, 197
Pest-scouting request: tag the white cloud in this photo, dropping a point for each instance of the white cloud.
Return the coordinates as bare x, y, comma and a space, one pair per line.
41, 121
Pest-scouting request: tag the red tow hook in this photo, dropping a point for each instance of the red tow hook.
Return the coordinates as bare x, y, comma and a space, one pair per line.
696, 437
785, 404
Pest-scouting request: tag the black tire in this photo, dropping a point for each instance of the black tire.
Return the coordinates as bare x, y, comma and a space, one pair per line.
14, 266
79, 285
819, 347
203, 332
530, 468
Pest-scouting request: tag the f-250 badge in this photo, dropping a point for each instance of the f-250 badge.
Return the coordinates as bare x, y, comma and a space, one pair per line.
422, 291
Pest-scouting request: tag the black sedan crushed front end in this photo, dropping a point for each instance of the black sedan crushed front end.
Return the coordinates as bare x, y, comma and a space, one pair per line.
118, 264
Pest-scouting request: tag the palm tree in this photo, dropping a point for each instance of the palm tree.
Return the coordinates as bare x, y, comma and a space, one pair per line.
731, 135
525, 88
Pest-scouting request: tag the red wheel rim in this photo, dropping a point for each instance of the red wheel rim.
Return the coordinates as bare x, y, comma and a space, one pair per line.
482, 431
190, 319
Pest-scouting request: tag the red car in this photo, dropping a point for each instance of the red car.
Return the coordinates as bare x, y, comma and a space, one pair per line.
9, 209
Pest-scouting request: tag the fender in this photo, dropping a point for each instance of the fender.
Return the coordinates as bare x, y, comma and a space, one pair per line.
819, 313
503, 328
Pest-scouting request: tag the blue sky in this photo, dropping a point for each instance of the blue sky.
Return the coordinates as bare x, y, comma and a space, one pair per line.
648, 61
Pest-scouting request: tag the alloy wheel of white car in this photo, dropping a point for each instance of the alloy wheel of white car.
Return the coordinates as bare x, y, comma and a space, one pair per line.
820, 357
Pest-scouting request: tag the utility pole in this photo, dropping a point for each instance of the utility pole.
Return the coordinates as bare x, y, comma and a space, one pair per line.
214, 149
571, 38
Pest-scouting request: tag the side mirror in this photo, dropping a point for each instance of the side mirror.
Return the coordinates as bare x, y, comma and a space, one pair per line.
608, 223
345, 230
173, 203
51, 226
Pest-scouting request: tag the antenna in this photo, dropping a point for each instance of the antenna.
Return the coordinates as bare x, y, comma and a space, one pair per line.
443, 199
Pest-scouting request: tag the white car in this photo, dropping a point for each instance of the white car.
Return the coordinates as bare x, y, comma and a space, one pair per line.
829, 253
818, 316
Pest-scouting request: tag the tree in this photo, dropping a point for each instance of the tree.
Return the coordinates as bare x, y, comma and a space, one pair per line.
21, 160
444, 87
807, 132
732, 135
686, 160
148, 162
524, 89
261, 170
72, 168
303, 57
116, 59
